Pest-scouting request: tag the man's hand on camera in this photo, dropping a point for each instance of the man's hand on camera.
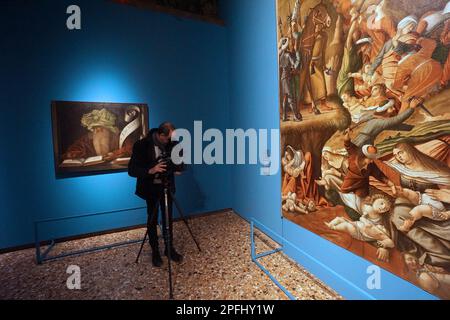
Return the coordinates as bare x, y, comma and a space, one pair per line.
159, 168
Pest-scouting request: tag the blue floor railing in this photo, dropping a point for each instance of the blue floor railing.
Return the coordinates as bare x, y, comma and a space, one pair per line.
44, 256
257, 256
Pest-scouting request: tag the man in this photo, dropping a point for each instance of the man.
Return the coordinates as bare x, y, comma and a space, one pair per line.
378, 105
355, 55
436, 25
102, 138
379, 26
373, 125
361, 166
404, 42
316, 70
289, 61
145, 165
431, 23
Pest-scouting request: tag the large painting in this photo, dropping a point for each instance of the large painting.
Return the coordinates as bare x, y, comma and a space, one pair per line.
92, 137
200, 9
365, 130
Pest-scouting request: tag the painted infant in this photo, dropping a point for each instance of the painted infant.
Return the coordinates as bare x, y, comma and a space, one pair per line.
425, 207
370, 226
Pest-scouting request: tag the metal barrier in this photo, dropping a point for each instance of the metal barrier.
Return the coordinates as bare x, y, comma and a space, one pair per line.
43, 256
256, 256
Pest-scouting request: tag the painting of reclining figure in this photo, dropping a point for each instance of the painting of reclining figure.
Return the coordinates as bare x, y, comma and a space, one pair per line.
365, 130
93, 137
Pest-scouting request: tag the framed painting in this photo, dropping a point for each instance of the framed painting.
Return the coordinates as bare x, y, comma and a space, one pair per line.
95, 137
365, 130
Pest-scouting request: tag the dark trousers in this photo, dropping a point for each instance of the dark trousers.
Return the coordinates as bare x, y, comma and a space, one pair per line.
154, 202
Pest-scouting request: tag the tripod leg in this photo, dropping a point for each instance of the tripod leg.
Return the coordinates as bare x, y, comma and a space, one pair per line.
166, 223
184, 220
142, 246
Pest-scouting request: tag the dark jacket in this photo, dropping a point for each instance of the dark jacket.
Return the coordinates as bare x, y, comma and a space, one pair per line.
142, 160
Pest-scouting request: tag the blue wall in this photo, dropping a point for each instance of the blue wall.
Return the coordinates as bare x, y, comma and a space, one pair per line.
122, 54
254, 104
253, 99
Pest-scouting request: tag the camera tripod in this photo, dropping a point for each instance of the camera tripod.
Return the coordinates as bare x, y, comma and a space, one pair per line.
166, 232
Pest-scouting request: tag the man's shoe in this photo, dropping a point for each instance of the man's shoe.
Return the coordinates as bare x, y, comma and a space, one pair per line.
174, 255
156, 258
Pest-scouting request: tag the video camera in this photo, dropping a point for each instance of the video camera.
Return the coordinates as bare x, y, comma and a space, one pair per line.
171, 167
165, 157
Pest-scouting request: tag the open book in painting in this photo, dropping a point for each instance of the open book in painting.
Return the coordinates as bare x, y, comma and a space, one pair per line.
121, 161
91, 161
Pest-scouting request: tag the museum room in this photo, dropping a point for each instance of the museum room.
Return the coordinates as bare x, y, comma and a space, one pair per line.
225, 150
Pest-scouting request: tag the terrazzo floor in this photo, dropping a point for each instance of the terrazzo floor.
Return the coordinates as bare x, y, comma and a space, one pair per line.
223, 270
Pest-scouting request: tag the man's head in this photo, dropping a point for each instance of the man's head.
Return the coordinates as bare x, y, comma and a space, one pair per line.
288, 155
100, 118
165, 131
364, 45
283, 44
102, 124
294, 26
370, 153
345, 97
378, 90
407, 25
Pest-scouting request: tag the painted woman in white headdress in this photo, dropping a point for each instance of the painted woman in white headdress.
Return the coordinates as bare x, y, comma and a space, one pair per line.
334, 168
293, 165
419, 171
428, 240
298, 177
